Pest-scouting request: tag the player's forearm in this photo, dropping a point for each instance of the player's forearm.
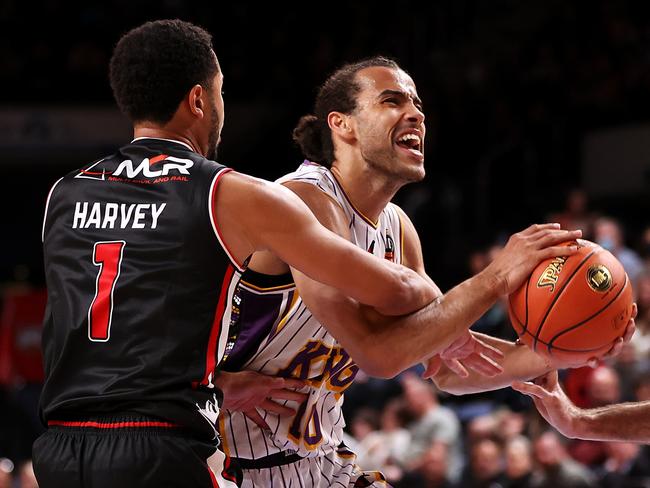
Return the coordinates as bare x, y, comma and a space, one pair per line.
388, 287
405, 293
621, 422
384, 346
519, 363
409, 340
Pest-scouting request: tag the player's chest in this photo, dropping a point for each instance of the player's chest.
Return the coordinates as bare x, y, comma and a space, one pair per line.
382, 242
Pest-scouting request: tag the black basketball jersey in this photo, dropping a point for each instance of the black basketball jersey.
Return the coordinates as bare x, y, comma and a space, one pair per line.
136, 272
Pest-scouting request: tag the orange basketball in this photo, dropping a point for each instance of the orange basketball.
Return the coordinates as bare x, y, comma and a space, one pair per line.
574, 307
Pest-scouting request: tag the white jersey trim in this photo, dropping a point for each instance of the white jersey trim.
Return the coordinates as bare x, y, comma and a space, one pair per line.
213, 219
47, 206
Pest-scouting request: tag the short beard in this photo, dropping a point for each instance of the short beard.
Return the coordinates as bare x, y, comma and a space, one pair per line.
213, 137
381, 162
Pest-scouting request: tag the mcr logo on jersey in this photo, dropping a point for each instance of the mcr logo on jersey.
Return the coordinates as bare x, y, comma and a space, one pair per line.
162, 167
167, 164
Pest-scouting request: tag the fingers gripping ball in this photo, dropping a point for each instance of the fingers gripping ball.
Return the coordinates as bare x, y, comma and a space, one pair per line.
573, 307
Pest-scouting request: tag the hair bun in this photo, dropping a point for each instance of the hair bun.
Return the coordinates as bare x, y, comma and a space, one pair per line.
307, 135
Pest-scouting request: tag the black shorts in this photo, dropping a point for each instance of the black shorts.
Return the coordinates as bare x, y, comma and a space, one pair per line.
128, 452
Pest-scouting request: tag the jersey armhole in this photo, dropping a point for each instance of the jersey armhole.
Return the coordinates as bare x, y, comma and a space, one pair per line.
263, 284
241, 267
401, 237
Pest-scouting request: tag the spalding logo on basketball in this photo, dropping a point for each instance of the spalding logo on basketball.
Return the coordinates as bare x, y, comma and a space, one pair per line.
573, 307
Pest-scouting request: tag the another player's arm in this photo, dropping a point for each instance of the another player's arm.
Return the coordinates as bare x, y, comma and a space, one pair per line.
271, 217
247, 391
622, 422
619, 422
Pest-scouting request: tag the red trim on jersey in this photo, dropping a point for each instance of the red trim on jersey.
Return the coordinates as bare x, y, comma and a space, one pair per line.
213, 478
157, 159
211, 359
225, 473
213, 216
111, 425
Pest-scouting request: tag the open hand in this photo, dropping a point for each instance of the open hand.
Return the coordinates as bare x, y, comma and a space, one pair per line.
466, 352
551, 402
249, 392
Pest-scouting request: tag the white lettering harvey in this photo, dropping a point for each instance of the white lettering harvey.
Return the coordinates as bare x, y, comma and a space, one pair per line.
108, 215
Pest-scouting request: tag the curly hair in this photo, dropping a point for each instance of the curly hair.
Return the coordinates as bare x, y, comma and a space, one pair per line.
154, 66
337, 94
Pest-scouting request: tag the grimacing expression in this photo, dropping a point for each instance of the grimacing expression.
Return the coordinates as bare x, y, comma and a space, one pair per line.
389, 120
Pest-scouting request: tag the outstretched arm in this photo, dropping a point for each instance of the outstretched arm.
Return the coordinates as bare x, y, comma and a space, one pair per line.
620, 422
519, 363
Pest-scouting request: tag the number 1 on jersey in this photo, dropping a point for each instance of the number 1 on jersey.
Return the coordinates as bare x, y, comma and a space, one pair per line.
108, 256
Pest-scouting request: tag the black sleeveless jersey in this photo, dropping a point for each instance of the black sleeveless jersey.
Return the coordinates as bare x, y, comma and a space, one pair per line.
136, 275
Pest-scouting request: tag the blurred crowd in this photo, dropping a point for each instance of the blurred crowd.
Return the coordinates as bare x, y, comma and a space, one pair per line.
421, 440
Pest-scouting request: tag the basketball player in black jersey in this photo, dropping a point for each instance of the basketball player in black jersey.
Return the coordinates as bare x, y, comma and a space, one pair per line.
137, 247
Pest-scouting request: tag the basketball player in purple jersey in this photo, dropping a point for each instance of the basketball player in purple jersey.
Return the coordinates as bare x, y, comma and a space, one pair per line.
364, 142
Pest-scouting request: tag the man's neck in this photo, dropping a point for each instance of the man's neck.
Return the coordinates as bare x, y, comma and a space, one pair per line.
368, 191
164, 133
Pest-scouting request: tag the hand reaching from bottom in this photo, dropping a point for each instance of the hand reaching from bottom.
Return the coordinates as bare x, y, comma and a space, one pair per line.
552, 402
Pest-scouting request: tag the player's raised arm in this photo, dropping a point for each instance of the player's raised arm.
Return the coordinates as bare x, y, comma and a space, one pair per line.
273, 218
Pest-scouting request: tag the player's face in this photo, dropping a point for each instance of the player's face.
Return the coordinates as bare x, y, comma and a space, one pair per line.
390, 123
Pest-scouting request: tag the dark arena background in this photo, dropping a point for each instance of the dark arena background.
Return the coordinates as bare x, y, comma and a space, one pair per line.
535, 111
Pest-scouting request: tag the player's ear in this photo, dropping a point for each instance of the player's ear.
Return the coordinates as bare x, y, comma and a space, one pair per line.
341, 125
195, 100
